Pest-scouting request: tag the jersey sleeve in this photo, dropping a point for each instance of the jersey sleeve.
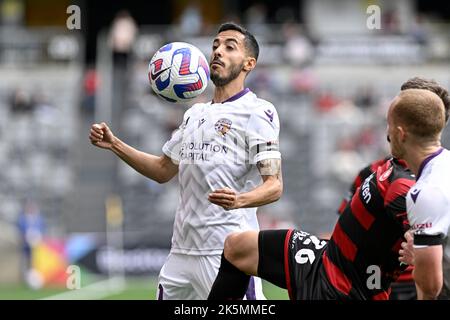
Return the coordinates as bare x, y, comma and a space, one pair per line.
429, 216
262, 133
395, 200
172, 147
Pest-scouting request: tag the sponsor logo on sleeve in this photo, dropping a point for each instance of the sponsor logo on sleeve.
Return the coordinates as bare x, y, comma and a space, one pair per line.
422, 226
269, 113
415, 194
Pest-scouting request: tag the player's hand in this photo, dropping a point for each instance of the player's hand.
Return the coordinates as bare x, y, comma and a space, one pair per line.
101, 136
407, 251
226, 198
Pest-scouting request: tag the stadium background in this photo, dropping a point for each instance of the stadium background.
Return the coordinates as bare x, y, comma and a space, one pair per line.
330, 77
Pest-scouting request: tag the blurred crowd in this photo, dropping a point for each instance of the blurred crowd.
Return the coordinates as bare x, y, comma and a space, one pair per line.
332, 120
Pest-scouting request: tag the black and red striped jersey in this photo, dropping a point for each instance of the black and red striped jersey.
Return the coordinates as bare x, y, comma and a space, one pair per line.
362, 175
361, 259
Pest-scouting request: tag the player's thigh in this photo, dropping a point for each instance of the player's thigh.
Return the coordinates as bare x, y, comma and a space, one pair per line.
174, 279
241, 250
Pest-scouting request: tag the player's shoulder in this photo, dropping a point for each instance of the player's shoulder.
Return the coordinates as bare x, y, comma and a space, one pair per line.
262, 109
196, 108
442, 166
436, 173
395, 176
257, 103
199, 105
435, 194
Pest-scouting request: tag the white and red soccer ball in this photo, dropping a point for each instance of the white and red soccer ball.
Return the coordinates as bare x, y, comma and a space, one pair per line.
178, 72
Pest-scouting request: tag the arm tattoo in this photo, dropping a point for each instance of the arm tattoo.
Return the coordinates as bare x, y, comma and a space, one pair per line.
269, 167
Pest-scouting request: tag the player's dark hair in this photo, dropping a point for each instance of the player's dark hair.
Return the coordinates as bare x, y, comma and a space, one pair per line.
431, 85
251, 45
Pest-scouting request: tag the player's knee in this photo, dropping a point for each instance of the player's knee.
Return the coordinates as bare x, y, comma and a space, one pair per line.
231, 247
238, 247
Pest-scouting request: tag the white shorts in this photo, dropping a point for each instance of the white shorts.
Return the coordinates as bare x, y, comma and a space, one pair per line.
189, 277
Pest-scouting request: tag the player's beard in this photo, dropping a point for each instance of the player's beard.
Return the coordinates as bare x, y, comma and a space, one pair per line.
235, 70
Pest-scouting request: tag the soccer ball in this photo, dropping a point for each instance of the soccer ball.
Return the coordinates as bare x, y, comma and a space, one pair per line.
178, 72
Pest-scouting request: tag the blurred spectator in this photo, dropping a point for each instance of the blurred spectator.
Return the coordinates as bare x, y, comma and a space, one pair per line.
372, 142
390, 21
31, 227
285, 14
298, 49
365, 97
191, 20
45, 111
255, 18
260, 80
12, 12
303, 81
346, 160
122, 36
418, 31
21, 102
368, 137
346, 112
233, 16
326, 101
90, 85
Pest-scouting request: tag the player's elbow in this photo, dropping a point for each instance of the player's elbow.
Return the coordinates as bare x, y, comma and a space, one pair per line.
431, 289
166, 170
273, 188
430, 283
278, 190
428, 270
161, 179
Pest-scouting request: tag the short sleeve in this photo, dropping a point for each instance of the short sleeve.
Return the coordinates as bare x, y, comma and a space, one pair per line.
172, 147
262, 133
429, 216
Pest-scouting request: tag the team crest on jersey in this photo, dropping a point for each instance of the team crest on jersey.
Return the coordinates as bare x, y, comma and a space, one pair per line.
222, 126
386, 175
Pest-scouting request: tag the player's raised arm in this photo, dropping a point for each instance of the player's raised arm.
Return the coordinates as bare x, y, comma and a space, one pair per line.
158, 168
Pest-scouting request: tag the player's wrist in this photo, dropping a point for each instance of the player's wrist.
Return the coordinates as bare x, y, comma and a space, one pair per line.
114, 145
240, 201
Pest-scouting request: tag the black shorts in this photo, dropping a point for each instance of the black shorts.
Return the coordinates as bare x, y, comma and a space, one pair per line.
292, 259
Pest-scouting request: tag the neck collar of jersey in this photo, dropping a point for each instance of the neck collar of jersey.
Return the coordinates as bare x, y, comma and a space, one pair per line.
428, 159
401, 162
236, 96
